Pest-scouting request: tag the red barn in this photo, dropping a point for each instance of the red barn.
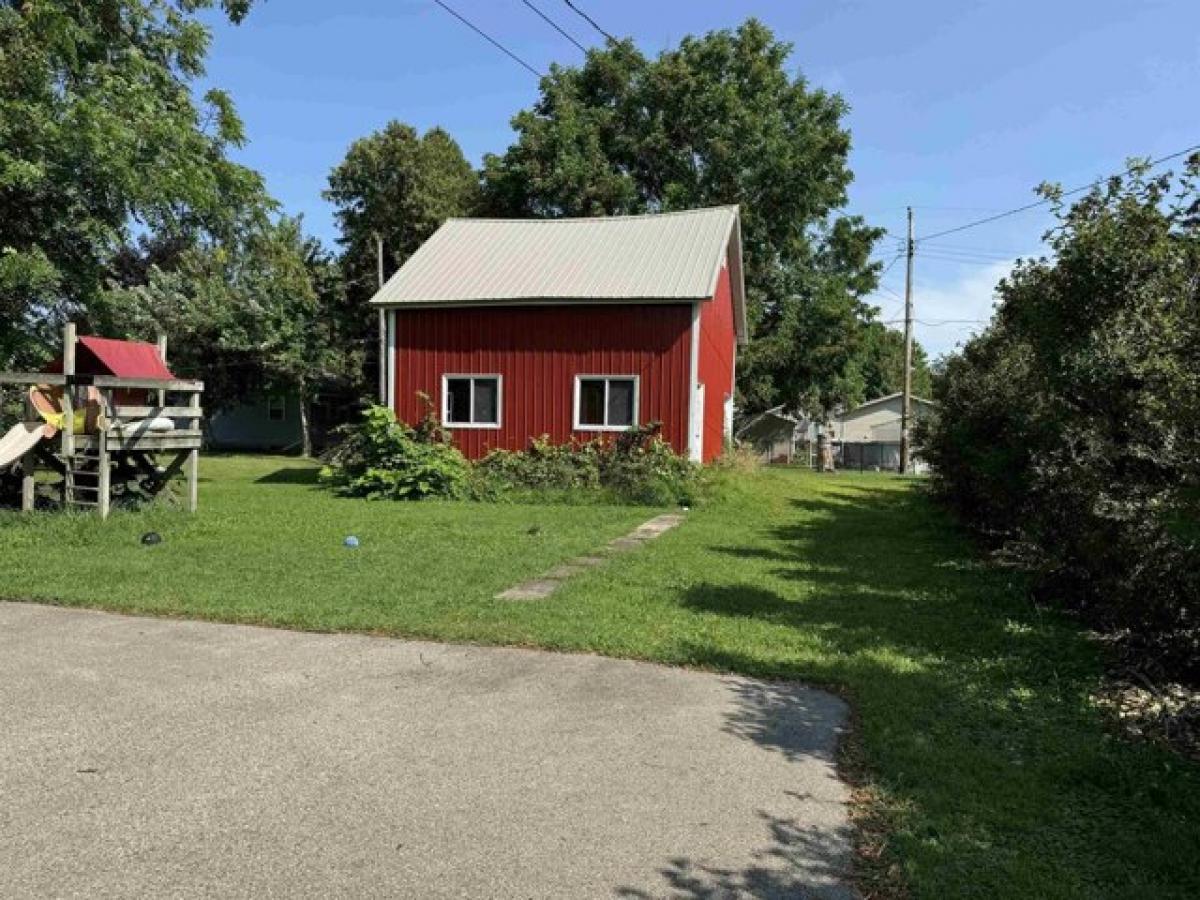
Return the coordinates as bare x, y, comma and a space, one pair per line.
571, 328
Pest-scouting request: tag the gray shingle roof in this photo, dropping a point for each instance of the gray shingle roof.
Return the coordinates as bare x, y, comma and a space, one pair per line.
669, 257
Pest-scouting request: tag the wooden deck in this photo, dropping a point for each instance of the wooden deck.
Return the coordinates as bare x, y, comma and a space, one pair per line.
144, 441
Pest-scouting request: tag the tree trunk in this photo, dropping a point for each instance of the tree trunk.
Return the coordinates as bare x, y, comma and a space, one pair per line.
306, 447
825, 450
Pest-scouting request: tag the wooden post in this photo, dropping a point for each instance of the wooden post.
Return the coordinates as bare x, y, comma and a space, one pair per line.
104, 474
193, 464
68, 429
68, 366
28, 465
28, 480
162, 354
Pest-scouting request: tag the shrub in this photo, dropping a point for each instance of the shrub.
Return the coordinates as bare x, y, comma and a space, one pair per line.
382, 458
542, 465
1068, 432
638, 466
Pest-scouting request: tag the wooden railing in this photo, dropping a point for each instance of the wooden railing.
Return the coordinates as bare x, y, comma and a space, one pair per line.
49, 378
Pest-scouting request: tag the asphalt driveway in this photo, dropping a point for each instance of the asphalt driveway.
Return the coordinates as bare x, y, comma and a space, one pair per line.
157, 758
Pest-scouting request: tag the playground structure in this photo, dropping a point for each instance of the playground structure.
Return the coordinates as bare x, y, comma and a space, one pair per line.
99, 418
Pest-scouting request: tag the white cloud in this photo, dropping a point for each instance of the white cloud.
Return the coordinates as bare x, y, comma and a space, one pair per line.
947, 295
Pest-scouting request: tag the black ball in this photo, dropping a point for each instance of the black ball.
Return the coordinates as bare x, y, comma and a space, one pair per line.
150, 538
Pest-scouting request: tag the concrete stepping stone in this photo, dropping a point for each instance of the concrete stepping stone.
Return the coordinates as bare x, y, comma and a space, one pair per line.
535, 589
548, 582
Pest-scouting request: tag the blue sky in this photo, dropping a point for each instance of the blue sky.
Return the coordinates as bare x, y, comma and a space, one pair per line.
958, 108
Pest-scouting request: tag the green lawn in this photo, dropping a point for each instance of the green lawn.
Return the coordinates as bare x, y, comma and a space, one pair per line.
266, 546
994, 774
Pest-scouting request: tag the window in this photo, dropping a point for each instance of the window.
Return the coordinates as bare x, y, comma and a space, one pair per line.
276, 408
606, 402
471, 401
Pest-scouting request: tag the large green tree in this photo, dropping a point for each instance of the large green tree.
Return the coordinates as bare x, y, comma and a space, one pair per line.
101, 138
882, 364
400, 186
397, 186
717, 120
250, 318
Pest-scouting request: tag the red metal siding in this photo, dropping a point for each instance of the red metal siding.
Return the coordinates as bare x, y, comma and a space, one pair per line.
539, 351
717, 348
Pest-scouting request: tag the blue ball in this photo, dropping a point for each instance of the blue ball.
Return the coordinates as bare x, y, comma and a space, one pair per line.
351, 541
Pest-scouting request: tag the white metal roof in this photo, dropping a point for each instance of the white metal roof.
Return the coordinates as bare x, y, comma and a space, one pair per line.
884, 399
775, 412
662, 258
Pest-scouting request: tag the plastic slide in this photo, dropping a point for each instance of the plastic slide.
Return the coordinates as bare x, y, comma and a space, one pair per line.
21, 438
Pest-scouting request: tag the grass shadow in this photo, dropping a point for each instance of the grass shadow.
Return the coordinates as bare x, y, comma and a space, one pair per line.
295, 475
999, 776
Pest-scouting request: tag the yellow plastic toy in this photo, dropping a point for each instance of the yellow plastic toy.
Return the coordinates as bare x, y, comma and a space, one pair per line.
47, 401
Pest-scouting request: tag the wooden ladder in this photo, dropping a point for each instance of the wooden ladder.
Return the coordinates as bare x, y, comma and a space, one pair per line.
84, 484
82, 480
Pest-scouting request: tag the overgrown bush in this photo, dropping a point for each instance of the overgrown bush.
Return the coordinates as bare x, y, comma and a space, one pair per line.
1069, 431
382, 458
637, 466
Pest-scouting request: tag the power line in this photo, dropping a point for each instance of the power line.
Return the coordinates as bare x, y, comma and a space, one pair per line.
890, 291
891, 263
487, 37
971, 252
549, 21
974, 251
1045, 200
589, 20
936, 323
962, 260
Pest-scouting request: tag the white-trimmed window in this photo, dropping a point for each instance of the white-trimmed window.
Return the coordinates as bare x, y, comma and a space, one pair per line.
471, 401
606, 402
276, 408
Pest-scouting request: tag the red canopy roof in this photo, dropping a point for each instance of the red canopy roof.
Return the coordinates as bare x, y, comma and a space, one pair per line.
124, 359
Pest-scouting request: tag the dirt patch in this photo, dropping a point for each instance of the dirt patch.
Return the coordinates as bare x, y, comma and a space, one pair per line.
876, 873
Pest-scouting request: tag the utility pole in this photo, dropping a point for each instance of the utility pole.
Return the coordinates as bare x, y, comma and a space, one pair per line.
382, 322
379, 258
906, 413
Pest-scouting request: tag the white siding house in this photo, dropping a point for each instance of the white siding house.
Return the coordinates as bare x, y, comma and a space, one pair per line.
869, 435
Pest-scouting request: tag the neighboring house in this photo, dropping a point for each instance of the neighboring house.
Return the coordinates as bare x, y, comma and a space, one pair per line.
271, 422
869, 435
775, 435
570, 328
